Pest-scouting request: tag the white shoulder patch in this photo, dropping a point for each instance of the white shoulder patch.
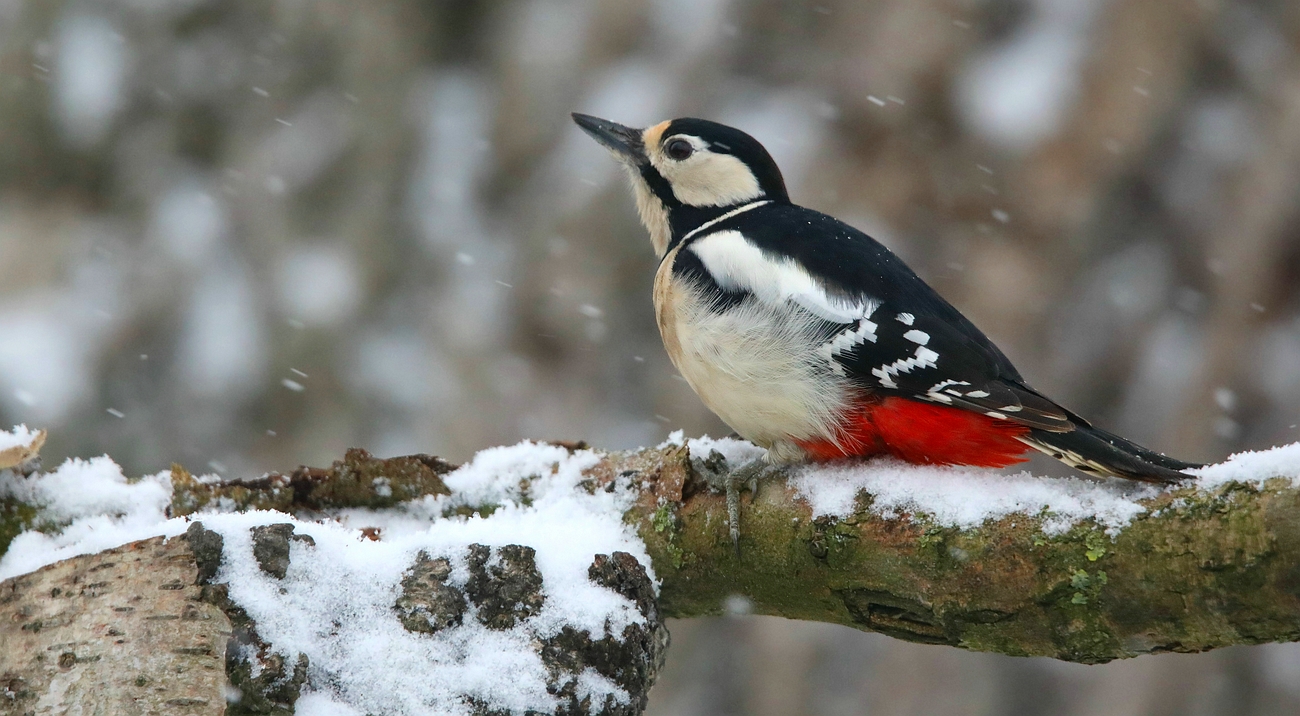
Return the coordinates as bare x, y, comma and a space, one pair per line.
737, 264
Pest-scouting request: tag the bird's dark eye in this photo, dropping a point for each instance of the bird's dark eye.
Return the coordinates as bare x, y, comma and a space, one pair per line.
679, 149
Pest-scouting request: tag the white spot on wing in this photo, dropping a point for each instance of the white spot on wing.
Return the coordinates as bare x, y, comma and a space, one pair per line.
977, 394
918, 337
906, 318
934, 394
844, 342
924, 358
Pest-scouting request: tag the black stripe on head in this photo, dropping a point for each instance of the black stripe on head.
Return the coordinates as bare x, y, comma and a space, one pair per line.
729, 140
659, 185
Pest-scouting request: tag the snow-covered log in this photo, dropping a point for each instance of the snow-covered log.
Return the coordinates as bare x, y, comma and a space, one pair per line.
116, 632
534, 578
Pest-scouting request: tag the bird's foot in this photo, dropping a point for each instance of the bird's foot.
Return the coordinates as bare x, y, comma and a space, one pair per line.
714, 471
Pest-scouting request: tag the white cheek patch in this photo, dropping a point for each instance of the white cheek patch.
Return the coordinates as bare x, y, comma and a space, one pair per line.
706, 178
709, 179
738, 265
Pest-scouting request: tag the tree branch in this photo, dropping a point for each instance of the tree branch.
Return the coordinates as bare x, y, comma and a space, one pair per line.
1197, 571
1200, 569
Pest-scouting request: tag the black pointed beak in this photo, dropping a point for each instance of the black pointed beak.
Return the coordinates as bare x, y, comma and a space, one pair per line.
624, 142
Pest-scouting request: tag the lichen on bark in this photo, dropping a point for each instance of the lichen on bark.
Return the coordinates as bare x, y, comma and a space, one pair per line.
259, 680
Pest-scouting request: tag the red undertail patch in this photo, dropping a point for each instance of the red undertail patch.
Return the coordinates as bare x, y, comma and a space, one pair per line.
924, 433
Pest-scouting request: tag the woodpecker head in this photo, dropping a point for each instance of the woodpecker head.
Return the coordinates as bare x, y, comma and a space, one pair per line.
688, 168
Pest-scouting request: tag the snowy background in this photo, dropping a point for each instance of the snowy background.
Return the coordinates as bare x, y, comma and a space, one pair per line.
246, 235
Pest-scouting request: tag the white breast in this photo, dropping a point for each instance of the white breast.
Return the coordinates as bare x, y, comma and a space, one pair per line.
761, 366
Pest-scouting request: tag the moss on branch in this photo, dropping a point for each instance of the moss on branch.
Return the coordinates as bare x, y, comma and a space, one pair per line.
1198, 570
358, 480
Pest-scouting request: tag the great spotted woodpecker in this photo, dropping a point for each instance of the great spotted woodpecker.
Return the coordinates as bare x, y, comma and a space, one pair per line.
815, 342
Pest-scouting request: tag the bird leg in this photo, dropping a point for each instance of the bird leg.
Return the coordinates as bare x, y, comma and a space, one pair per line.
715, 473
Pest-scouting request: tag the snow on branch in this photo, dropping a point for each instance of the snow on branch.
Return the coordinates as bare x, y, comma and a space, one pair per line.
535, 576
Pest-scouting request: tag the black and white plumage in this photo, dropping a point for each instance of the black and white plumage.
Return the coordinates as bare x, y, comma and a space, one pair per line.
811, 339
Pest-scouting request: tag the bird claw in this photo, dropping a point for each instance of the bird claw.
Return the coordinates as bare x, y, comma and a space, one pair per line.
714, 471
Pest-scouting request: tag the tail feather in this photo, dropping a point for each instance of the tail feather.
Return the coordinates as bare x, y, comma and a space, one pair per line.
1099, 452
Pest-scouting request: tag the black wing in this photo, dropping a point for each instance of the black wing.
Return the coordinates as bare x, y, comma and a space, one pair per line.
924, 358
915, 344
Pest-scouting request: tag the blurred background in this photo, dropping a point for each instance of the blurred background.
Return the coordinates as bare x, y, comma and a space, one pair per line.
248, 234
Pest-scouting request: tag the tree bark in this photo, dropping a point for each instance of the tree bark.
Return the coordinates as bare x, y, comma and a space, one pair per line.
1199, 570
119, 632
